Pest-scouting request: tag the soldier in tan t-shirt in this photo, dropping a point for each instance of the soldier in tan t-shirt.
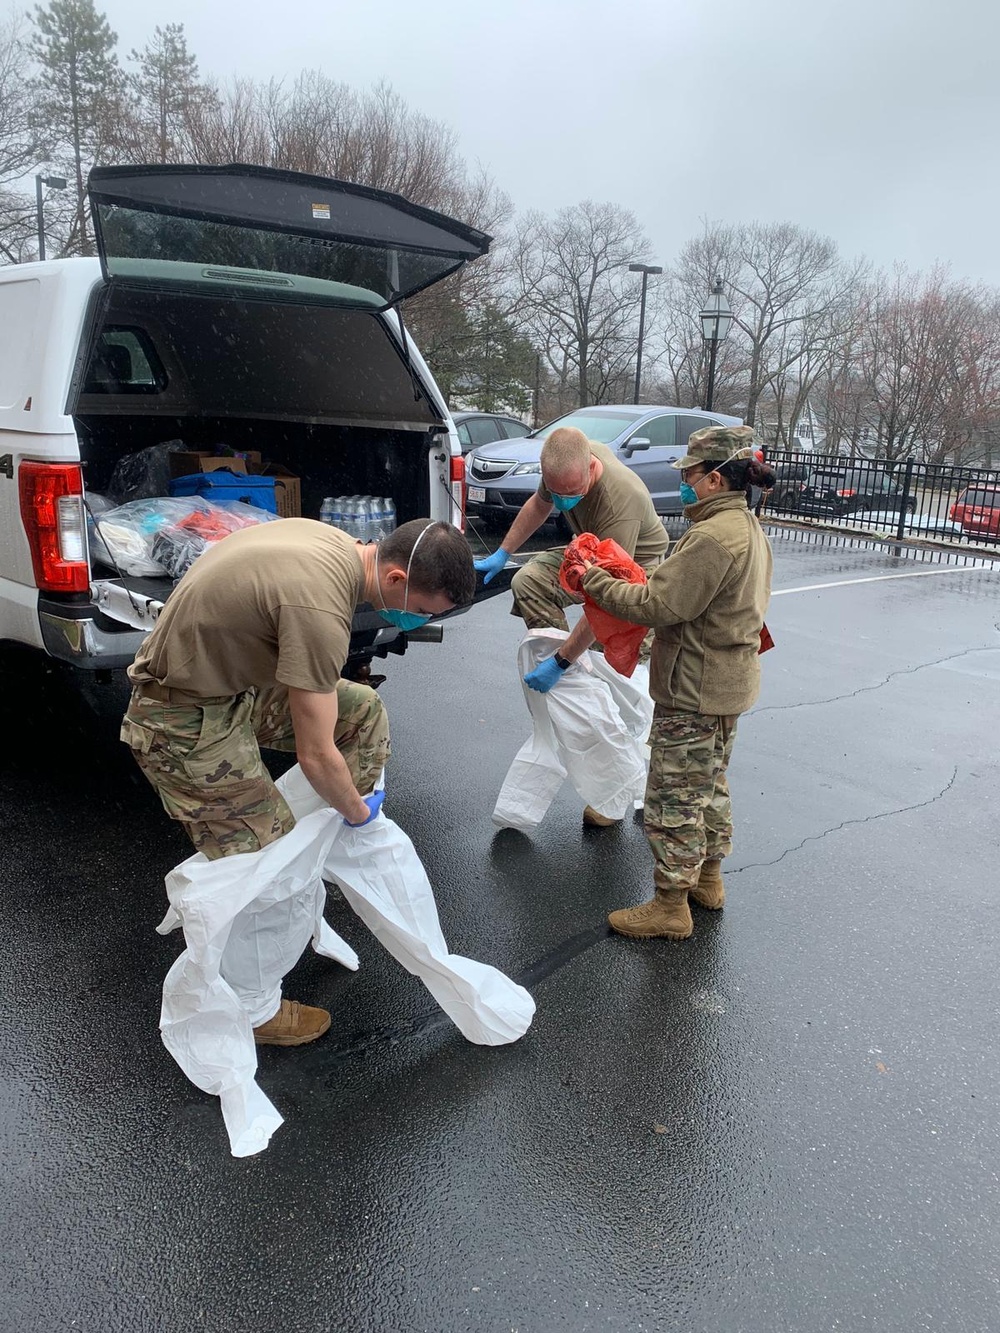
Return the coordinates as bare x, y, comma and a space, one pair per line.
596, 493
248, 652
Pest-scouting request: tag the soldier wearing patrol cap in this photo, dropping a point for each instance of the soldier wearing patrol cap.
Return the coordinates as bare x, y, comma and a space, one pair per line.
706, 603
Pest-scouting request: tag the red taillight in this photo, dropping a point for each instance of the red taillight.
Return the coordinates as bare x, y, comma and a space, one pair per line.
52, 514
458, 487
846, 495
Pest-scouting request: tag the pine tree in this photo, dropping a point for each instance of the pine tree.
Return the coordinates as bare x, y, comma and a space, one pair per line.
75, 48
166, 89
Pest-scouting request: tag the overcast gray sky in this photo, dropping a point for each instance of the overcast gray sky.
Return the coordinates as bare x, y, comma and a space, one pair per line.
872, 121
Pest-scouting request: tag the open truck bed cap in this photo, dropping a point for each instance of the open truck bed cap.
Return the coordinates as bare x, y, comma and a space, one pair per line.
270, 221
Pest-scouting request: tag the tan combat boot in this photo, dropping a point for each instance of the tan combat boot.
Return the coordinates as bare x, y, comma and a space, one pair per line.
594, 819
293, 1025
709, 891
666, 915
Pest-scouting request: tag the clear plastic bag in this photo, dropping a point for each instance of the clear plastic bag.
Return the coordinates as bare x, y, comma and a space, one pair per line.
165, 536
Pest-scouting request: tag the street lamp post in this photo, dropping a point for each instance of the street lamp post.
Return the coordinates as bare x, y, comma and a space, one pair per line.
645, 270
53, 183
716, 319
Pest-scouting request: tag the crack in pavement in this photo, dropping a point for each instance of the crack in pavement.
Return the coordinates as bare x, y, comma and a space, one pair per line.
570, 949
566, 952
433, 1020
847, 823
867, 689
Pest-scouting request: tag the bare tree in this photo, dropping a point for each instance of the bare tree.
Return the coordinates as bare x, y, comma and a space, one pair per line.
22, 142
969, 420
908, 358
846, 404
678, 354
22, 145
575, 296
785, 285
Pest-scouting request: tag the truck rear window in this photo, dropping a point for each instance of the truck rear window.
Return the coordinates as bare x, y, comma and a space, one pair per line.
125, 362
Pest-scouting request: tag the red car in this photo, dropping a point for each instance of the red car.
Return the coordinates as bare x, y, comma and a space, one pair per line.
978, 511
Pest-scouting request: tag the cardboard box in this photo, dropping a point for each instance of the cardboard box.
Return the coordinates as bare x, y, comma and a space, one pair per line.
287, 487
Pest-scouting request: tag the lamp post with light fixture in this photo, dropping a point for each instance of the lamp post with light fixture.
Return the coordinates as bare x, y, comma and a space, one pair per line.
53, 183
645, 270
716, 319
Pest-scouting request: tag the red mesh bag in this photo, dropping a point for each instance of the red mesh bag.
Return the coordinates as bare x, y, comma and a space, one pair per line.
621, 639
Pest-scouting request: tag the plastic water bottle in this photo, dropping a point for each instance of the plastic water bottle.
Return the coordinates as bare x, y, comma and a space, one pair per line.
390, 516
348, 520
368, 521
328, 510
380, 518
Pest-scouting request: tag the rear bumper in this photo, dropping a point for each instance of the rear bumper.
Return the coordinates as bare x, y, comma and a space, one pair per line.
84, 641
83, 637
498, 501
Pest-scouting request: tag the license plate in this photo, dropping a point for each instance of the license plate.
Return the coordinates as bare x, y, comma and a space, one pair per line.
477, 494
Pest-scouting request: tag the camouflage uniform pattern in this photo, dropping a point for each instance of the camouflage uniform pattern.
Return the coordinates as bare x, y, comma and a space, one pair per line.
204, 760
688, 818
540, 599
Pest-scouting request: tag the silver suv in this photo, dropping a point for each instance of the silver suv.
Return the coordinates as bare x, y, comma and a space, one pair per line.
649, 440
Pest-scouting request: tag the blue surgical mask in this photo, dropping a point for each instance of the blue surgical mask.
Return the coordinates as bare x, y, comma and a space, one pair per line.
689, 496
564, 502
404, 620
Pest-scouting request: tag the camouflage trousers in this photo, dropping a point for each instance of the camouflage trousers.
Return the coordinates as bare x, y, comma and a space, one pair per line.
541, 600
204, 760
688, 817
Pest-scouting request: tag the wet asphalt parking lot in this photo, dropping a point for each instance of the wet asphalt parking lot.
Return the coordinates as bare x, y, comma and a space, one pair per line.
789, 1122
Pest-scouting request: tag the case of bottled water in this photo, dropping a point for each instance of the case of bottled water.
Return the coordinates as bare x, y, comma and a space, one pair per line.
366, 518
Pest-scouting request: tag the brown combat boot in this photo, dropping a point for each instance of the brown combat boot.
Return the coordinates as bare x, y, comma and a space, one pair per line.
709, 891
293, 1025
594, 819
666, 915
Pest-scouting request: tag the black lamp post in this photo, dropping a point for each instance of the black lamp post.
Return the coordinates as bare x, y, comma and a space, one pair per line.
645, 270
716, 319
53, 183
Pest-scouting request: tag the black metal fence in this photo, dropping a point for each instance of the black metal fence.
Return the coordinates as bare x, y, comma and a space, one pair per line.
920, 501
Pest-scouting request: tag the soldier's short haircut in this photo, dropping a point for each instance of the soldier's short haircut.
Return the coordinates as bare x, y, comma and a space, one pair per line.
442, 563
567, 450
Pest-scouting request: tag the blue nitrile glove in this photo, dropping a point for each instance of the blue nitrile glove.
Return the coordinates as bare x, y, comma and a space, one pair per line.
374, 804
491, 564
545, 675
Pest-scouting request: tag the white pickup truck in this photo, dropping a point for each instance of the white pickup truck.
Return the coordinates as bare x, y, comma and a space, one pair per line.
242, 306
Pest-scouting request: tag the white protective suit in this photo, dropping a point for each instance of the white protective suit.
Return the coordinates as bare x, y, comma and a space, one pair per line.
247, 919
591, 727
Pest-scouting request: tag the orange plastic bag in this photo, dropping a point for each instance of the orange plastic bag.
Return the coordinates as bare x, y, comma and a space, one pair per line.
621, 639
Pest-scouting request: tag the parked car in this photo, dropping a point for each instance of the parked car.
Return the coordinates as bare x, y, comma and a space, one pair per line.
791, 480
977, 509
649, 440
232, 305
831, 492
475, 428
914, 525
